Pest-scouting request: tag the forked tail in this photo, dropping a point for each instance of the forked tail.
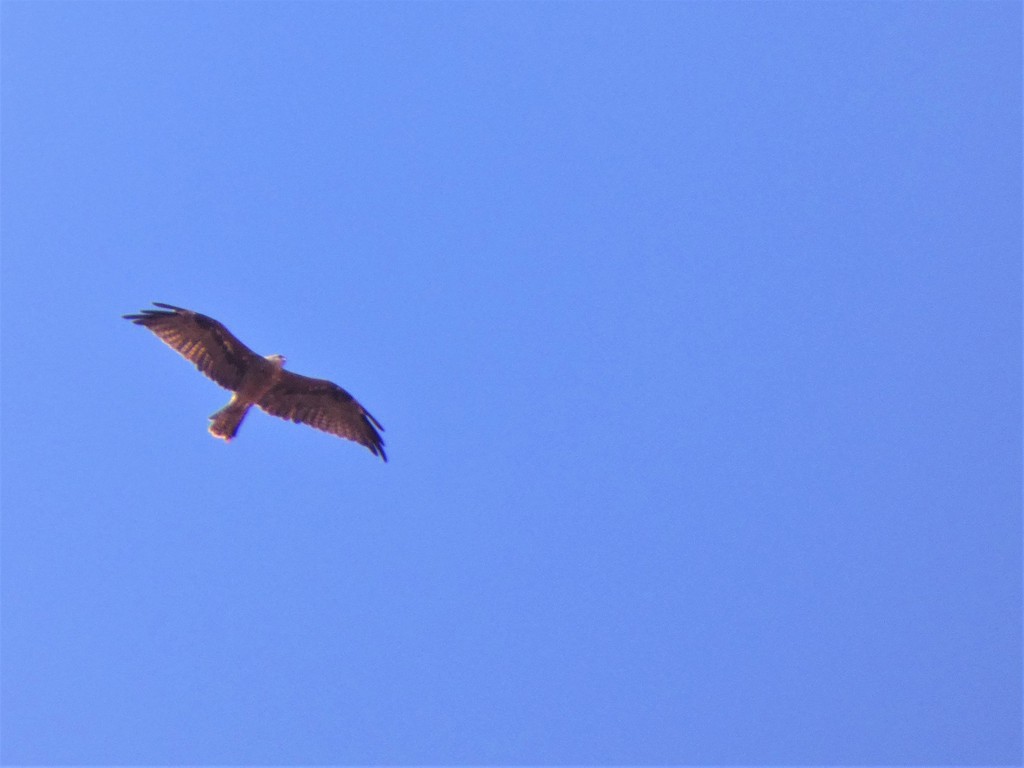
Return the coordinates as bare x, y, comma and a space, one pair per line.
225, 422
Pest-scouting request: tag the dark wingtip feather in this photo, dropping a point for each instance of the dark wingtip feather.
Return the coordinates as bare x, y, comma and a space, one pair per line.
375, 422
376, 442
147, 314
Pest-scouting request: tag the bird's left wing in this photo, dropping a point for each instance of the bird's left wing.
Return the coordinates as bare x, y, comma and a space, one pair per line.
324, 405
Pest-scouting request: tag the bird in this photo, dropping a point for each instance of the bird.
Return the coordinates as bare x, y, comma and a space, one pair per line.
260, 381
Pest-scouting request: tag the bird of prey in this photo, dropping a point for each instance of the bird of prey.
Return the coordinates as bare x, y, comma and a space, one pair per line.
259, 381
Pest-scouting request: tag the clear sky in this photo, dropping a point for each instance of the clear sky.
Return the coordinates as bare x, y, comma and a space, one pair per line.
696, 332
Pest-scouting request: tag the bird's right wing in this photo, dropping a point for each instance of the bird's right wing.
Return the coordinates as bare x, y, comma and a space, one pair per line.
208, 344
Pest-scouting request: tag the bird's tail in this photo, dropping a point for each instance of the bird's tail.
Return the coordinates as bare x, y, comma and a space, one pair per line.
225, 422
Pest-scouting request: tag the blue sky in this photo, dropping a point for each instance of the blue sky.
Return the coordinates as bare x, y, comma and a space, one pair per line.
696, 332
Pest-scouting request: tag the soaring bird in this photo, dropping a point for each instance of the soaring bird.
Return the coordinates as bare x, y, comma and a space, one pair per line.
259, 381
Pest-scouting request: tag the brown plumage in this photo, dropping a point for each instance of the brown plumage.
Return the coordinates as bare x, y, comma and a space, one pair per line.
259, 381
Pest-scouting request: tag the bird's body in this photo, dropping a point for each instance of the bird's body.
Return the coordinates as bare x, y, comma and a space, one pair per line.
259, 381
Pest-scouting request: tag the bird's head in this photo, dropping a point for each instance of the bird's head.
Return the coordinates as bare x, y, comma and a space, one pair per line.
277, 360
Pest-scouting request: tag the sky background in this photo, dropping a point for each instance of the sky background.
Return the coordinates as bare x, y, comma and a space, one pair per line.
696, 332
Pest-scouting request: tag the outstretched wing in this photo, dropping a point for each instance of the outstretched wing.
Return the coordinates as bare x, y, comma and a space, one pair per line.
209, 345
324, 405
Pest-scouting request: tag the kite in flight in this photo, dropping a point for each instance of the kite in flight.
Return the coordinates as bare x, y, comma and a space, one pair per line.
259, 381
